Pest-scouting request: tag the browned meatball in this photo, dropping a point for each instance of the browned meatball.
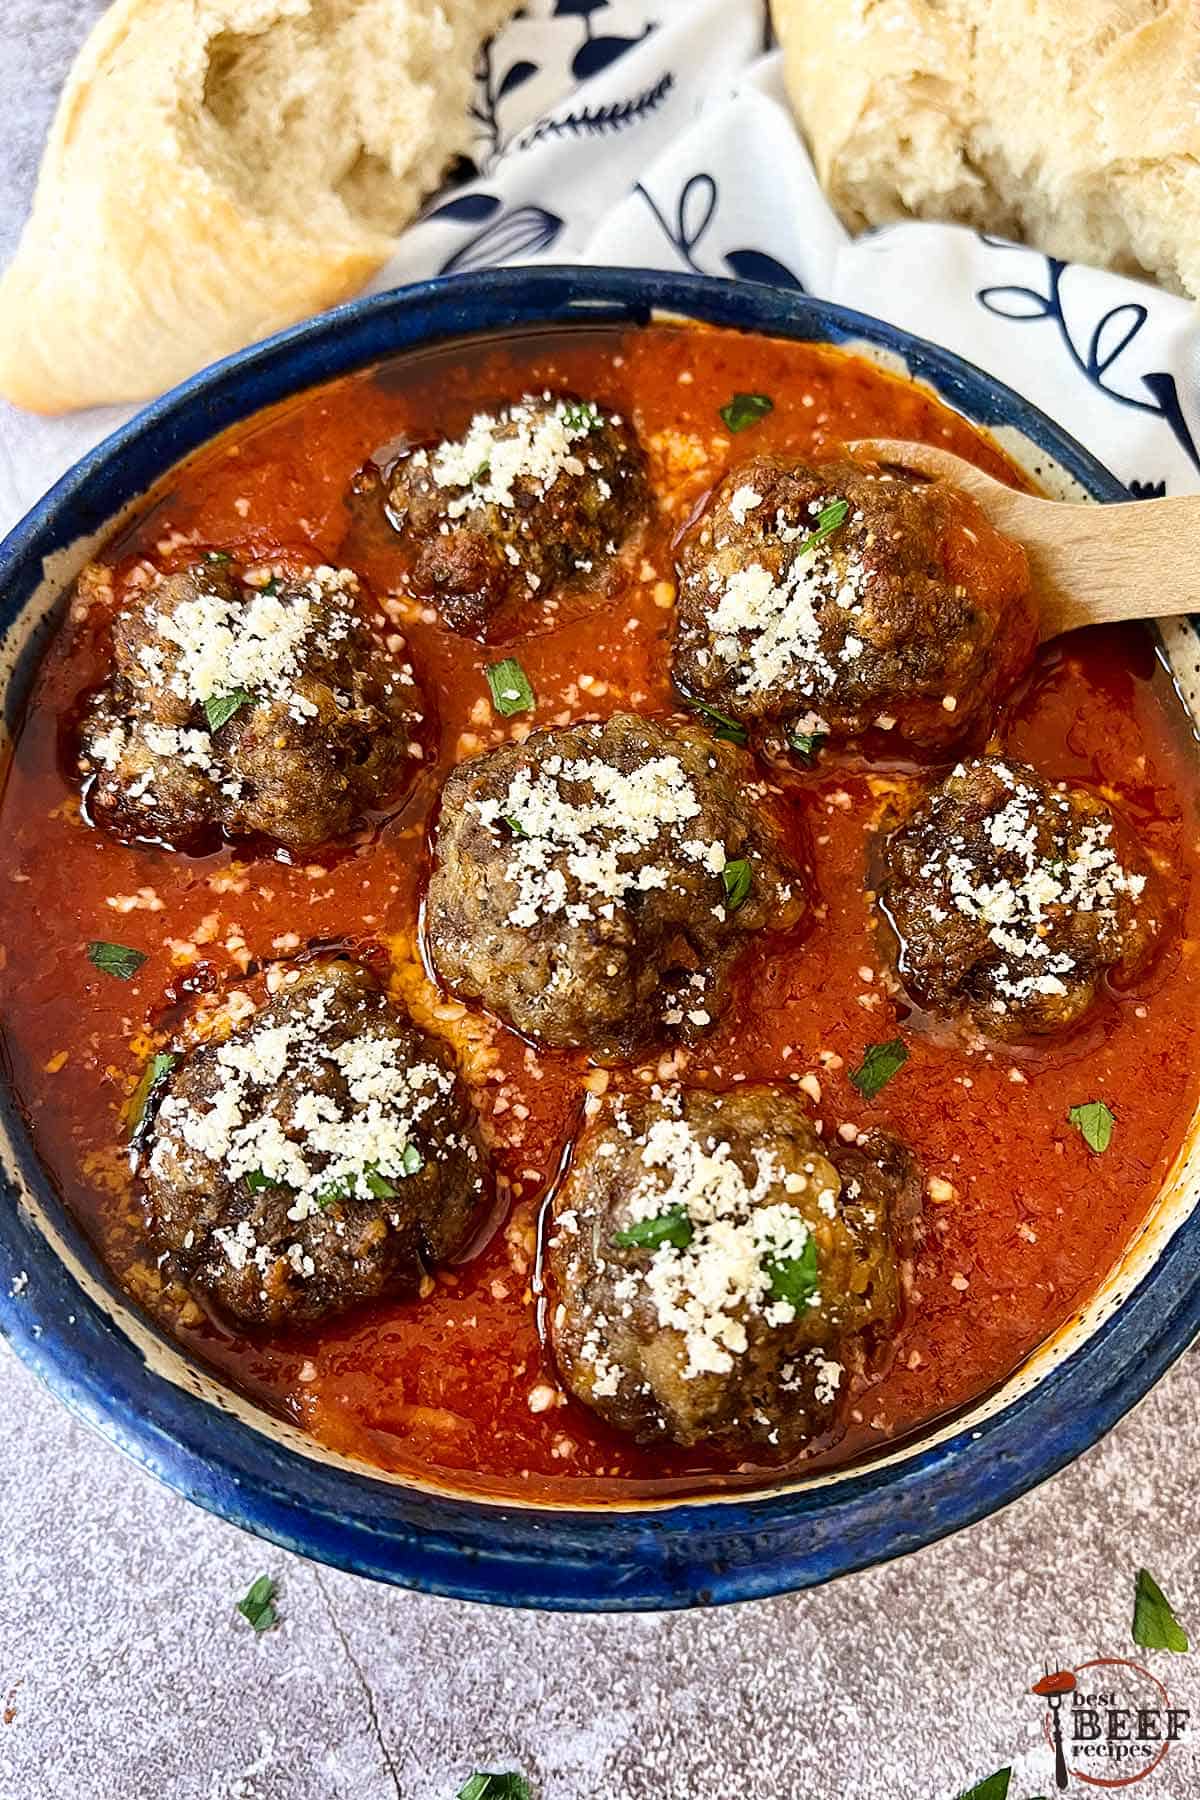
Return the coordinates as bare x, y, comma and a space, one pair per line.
717, 1274
261, 704
593, 884
1012, 901
540, 493
825, 601
323, 1154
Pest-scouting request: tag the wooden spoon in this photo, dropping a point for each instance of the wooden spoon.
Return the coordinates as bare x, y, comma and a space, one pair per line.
1091, 565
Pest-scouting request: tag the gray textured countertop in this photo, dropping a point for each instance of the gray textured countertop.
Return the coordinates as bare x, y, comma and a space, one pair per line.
125, 1673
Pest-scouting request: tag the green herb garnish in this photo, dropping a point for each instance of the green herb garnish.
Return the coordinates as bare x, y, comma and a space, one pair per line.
514, 825
746, 409
993, 1787
486, 1786
152, 1078
511, 692
880, 1062
581, 415
1094, 1123
737, 876
343, 1186
794, 1278
805, 743
269, 587
217, 556
723, 727
256, 1181
333, 1191
831, 518
671, 1227
1155, 1626
258, 1605
220, 708
115, 959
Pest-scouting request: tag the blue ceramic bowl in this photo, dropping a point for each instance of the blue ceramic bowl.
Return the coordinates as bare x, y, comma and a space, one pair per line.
68, 1320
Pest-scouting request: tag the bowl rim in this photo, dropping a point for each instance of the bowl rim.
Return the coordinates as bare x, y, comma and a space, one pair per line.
677, 1554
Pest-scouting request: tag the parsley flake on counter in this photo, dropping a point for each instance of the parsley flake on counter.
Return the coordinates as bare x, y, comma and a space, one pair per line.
737, 876
258, 1604
671, 1227
992, 1787
1155, 1626
880, 1062
484, 1785
152, 1078
794, 1278
220, 708
746, 409
723, 727
509, 684
1094, 1122
115, 959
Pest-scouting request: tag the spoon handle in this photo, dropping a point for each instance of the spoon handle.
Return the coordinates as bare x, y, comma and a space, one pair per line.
1091, 565
1094, 565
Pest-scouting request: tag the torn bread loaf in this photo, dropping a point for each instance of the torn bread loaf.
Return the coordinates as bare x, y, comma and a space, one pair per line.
1074, 124
218, 169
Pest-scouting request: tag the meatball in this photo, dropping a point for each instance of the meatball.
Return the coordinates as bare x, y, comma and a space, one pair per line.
823, 601
541, 492
323, 1154
717, 1273
593, 884
1011, 900
264, 703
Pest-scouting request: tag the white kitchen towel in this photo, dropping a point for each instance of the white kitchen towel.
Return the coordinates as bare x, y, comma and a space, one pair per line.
656, 133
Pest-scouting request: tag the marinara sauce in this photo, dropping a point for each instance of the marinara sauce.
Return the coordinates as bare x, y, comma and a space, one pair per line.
1021, 1220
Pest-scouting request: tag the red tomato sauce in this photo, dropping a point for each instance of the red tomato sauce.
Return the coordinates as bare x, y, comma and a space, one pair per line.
1022, 1221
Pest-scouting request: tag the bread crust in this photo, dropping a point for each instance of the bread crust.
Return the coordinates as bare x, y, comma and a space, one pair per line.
166, 230
1072, 123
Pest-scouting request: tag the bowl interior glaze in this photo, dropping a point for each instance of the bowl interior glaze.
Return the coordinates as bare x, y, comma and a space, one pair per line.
68, 1320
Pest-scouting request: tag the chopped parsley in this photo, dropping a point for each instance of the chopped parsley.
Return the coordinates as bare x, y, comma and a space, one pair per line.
484, 1785
880, 1062
794, 1278
256, 1181
1094, 1123
137, 1107
992, 1787
217, 556
581, 415
515, 826
805, 743
220, 708
671, 1227
746, 409
831, 518
258, 1604
511, 692
115, 959
378, 1184
723, 727
737, 876
1155, 1626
